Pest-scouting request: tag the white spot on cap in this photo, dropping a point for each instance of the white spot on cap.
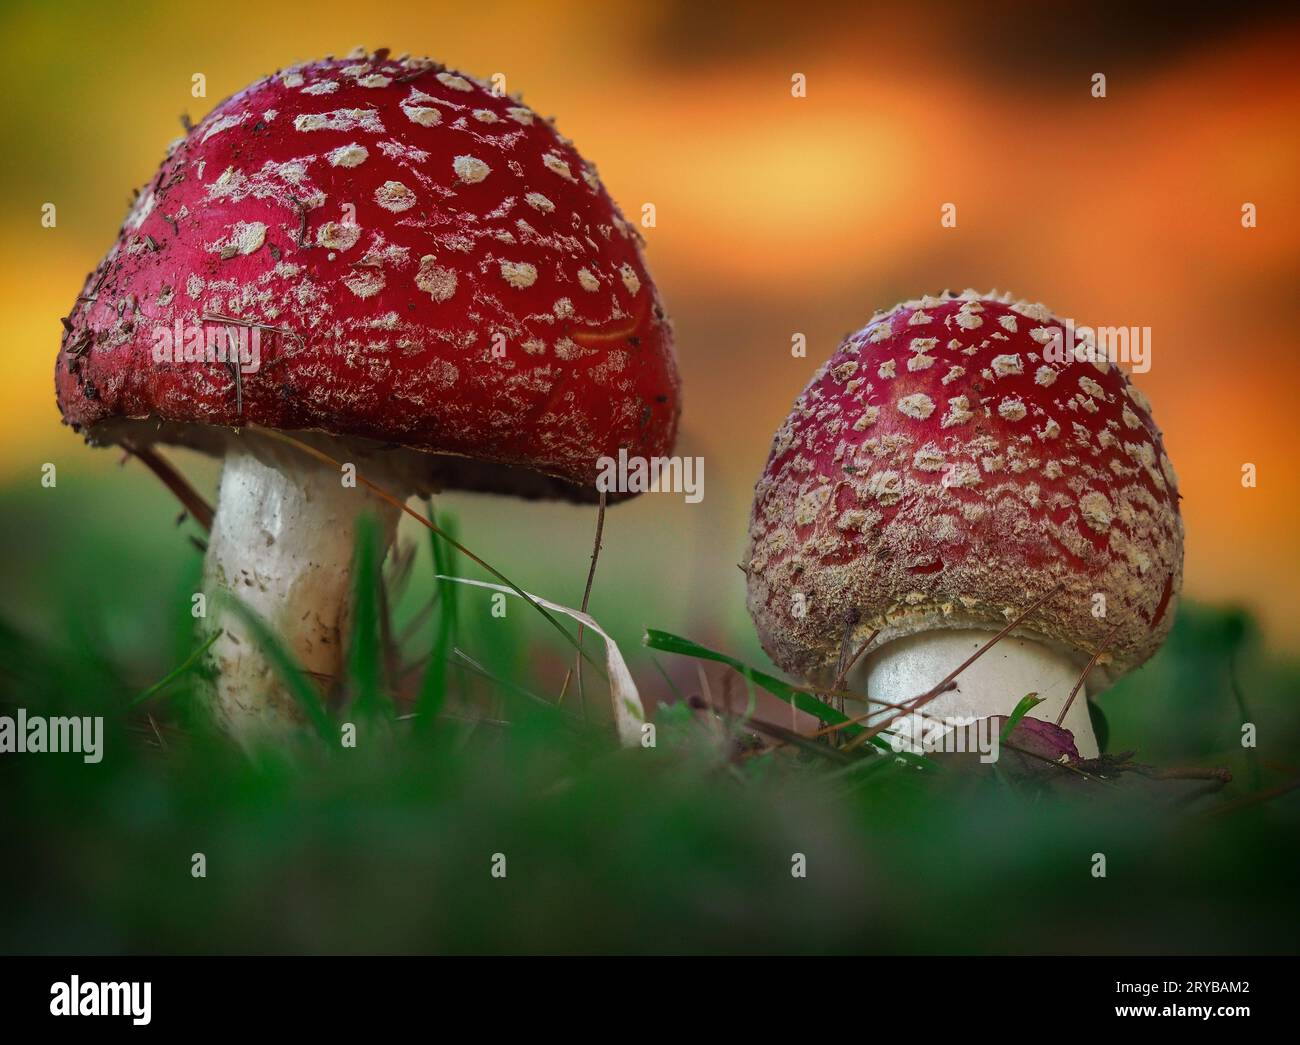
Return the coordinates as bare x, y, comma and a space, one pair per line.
394, 196
1012, 409
557, 165
1092, 388
323, 87
439, 283
810, 504
959, 412
630, 279
866, 419
1167, 467
485, 116
340, 120
918, 405
424, 115
520, 115
225, 123
928, 459
588, 281
375, 80
335, 235
962, 474
1044, 376
247, 236
1004, 366
1139, 399
364, 282
1096, 510
456, 83
470, 169
518, 274
536, 199
886, 487
349, 155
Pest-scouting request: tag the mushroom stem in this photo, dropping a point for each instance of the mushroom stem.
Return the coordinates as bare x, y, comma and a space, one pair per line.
282, 541
993, 685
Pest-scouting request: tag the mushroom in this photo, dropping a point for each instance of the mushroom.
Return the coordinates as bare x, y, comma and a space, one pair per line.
950, 466
427, 283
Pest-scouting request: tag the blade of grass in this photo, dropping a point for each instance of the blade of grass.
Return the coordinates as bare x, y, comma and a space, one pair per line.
291, 674
670, 643
779, 733
586, 598
363, 653
509, 686
183, 668
433, 687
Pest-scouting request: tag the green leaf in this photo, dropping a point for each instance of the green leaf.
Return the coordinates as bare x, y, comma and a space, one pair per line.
1027, 703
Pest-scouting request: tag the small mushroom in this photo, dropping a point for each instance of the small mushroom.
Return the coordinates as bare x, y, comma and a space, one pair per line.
423, 279
949, 466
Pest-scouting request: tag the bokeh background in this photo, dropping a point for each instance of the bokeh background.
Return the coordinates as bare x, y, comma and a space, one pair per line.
775, 216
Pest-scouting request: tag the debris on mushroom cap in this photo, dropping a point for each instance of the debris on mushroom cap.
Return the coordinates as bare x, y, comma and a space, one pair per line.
956, 493
384, 224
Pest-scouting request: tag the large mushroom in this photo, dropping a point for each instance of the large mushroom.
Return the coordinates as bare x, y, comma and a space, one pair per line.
440, 294
942, 473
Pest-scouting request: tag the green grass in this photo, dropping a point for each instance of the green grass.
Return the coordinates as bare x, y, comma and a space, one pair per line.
686, 846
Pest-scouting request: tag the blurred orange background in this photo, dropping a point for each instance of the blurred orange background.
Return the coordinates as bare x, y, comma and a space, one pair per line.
776, 215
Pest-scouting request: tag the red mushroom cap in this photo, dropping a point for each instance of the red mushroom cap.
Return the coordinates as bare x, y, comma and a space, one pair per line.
382, 224
940, 472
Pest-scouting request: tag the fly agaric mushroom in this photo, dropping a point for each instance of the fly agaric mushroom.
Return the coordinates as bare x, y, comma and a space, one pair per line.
442, 295
944, 470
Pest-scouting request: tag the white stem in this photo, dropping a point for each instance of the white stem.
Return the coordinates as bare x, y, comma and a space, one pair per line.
282, 541
993, 685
